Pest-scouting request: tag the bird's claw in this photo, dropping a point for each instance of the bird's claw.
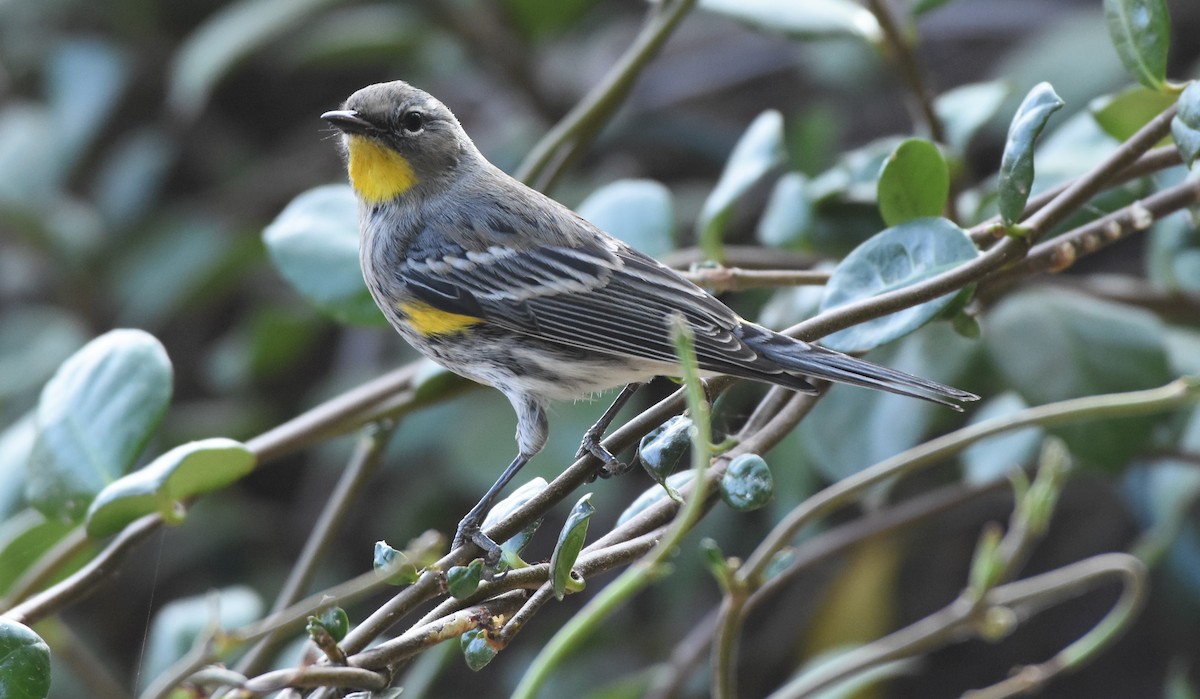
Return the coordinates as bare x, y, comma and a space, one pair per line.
470, 533
609, 465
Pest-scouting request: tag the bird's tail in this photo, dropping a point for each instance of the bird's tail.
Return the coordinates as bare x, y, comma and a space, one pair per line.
794, 356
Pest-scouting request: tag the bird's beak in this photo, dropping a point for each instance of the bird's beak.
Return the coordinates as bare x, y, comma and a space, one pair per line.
348, 121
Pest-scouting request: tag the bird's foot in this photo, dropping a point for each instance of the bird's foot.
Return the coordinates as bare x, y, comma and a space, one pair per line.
609, 465
470, 533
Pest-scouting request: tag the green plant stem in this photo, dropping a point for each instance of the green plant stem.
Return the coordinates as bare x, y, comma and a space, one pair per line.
651, 567
1070, 581
363, 464
546, 160
961, 618
1175, 394
687, 655
750, 576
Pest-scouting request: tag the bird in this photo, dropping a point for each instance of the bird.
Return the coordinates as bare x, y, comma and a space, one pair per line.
503, 285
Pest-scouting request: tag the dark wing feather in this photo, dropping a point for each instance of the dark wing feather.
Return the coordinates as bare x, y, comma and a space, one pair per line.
602, 296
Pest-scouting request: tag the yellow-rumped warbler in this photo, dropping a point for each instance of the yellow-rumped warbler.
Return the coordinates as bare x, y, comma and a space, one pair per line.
504, 285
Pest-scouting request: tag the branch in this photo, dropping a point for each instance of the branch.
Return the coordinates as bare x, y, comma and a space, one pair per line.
719, 279
1084, 188
750, 576
547, 159
1061, 252
364, 462
83, 582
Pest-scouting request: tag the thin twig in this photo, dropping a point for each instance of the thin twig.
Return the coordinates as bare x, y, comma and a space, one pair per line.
719, 279
1152, 161
1084, 188
962, 618
750, 575
84, 581
335, 416
901, 48
545, 162
1061, 252
37, 575
689, 652
363, 464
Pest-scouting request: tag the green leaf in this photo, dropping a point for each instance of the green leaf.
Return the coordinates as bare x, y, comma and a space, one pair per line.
333, 621
1122, 114
226, 38
477, 649
24, 538
84, 82
314, 245
1185, 127
162, 485
636, 211
811, 19
510, 550
758, 151
662, 447
24, 662
29, 171
177, 625
462, 581
714, 559
570, 543
16, 443
131, 175
788, 214
895, 258
154, 280
965, 109
1055, 345
391, 564
94, 418
914, 183
1141, 33
35, 339
747, 484
657, 493
1016, 165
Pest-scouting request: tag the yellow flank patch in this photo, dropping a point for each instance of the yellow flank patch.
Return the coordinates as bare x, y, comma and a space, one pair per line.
377, 172
427, 320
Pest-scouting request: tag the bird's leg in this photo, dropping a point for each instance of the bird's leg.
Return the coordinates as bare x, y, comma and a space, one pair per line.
610, 466
469, 528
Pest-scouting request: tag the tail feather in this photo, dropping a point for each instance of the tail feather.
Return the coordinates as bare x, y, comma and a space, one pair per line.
821, 363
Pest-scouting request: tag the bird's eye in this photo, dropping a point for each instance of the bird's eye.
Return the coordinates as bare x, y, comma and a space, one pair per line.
412, 121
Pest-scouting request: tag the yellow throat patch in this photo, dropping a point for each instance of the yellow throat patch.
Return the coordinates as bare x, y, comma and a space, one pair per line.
377, 172
427, 320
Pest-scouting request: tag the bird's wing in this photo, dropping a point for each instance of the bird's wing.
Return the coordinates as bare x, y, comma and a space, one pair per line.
601, 295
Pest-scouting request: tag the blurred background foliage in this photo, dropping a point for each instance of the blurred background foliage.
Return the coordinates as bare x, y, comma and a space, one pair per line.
145, 146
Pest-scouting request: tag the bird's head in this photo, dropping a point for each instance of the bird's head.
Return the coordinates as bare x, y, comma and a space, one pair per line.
397, 137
